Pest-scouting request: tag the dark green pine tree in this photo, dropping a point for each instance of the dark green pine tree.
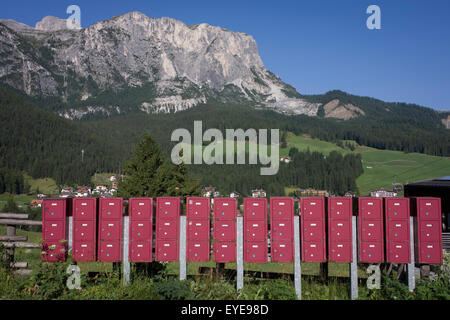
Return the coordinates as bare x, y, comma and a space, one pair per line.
141, 169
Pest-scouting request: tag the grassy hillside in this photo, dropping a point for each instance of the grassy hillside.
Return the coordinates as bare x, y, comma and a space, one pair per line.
382, 168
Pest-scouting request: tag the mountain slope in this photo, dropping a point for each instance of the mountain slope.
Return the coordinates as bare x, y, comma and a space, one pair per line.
187, 65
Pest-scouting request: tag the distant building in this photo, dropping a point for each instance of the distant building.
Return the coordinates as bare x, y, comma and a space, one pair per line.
101, 188
66, 192
235, 194
350, 194
83, 192
115, 185
112, 179
259, 193
285, 159
41, 196
216, 194
36, 203
383, 193
209, 191
314, 193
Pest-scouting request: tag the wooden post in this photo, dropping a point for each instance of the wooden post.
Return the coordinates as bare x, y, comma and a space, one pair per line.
10, 232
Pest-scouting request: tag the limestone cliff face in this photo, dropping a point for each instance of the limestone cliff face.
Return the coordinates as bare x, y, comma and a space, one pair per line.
186, 65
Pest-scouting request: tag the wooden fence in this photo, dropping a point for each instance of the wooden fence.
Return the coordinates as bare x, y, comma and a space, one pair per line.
11, 241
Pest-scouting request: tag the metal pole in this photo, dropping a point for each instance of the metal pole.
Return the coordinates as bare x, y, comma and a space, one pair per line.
297, 256
70, 235
182, 247
240, 254
354, 264
411, 265
125, 260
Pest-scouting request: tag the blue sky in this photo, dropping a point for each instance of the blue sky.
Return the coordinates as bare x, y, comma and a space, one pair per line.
315, 45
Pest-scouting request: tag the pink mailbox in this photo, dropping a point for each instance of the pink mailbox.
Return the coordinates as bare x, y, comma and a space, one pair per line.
224, 251
313, 236
198, 250
54, 213
84, 229
255, 251
371, 230
225, 209
198, 208
255, 209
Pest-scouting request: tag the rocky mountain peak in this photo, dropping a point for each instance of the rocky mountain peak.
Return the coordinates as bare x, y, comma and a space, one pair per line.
51, 23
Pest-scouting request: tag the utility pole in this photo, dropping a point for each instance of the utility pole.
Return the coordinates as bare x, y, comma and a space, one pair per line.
82, 155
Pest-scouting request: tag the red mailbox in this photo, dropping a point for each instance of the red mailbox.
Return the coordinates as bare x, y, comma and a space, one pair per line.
53, 251
140, 251
85, 209
110, 230
397, 230
198, 229
282, 251
141, 229
340, 212
281, 230
340, 251
224, 230
313, 234
141, 209
54, 213
167, 228
110, 251
83, 251
84, 229
225, 209
167, 250
198, 208
225, 251
110, 208
371, 230
281, 208
255, 209
198, 251
168, 208
428, 230
255, 252
255, 230
314, 251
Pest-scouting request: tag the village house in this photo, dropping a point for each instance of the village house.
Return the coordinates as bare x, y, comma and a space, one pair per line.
83, 191
209, 191
36, 203
286, 159
314, 193
66, 192
258, 193
383, 193
235, 195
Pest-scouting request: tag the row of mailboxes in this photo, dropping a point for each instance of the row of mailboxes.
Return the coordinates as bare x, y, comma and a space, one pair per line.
379, 219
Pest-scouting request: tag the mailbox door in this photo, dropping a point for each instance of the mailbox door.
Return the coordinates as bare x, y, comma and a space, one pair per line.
282, 230
53, 251
198, 208
54, 230
430, 253
110, 230
84, 230
110, 251
340, 230
224, 251
255, 231
398, 230
397, 208
282, 251
255, 209
340, 251
429, 208
141, 208
371, 252
168, 208
140, 251
313, 230
370, 208
255, 252
198, 251
282, 208
312, 208
54, 209
198, 229
340, 208
141, 230
167, 229
111, 208
167, 250
313, 251
84, 209
224, 230
430, 231
398, 252
83, 251
225, 208
371, 230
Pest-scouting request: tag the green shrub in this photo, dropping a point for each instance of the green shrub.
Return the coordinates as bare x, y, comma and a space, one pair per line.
172, 289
